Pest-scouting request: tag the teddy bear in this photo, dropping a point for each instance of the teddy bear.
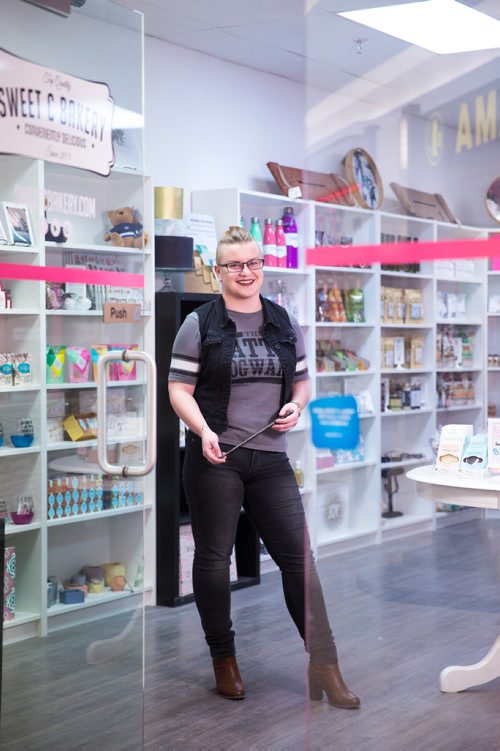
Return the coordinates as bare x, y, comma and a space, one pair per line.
126, 230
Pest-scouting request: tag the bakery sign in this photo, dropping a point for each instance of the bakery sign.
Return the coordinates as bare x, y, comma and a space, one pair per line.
49, 115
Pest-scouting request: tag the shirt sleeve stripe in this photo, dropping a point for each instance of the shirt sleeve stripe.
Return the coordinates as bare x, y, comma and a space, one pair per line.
185, 365
301, 366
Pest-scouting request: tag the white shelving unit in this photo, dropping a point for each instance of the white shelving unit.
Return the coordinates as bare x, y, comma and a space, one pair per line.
60, 547
344, 502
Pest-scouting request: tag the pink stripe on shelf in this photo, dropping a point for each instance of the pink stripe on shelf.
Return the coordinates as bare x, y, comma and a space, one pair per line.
60, 274
405, 252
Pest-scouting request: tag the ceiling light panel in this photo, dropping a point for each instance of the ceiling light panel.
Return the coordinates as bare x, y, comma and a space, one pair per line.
441, 26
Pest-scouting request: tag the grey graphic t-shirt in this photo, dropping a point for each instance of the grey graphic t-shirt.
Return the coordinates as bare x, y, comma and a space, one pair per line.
256, 377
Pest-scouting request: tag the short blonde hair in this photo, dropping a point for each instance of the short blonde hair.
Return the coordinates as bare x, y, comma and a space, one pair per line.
234, 235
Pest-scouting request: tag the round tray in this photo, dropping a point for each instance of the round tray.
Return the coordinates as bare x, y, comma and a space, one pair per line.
362, 172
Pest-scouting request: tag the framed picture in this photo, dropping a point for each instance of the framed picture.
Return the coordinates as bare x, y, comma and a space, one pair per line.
492, 200
363, 175
3, 236
17, 223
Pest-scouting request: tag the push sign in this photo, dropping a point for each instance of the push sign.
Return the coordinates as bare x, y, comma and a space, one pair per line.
335, 422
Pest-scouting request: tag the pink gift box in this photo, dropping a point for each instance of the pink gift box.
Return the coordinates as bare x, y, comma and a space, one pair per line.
9, 590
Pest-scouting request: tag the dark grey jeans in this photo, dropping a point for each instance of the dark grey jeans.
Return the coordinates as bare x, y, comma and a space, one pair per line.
263, 483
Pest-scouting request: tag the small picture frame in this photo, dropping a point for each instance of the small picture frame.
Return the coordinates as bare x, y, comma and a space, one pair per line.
17, 223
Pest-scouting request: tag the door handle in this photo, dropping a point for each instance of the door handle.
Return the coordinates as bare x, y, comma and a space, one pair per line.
102, 454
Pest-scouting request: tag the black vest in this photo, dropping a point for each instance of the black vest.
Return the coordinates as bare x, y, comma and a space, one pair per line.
218, 340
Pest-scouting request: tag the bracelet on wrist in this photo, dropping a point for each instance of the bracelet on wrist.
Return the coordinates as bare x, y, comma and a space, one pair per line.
298, 404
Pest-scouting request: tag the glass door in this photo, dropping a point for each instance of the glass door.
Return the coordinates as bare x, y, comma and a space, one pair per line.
79, 539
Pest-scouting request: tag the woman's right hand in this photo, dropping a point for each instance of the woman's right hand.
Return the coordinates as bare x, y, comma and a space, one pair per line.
210, 446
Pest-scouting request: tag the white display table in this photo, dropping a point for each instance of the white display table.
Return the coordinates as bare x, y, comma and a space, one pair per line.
482, 493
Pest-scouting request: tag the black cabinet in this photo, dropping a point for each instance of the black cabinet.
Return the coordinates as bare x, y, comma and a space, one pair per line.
171, 507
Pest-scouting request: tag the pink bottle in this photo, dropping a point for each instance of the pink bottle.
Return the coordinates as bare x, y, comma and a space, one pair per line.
280, 244
269, 244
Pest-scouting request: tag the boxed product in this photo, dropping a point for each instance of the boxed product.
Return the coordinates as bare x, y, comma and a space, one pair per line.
389, 311
493, 303
456, 304
399, 351
81, 427
414, 306
56, 403
494, 444
444, 268
387, 345
442, 304
451, 446
383, 298
399, 305
464, 268
21, 369
55, 429
475, 456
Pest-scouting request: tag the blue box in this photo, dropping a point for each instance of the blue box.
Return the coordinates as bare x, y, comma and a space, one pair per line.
71, 596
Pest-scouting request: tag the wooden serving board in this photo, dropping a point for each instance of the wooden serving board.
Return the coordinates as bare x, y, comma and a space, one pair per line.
312, 186
423, 205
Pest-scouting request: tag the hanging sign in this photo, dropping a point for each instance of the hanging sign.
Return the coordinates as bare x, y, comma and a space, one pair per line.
49, 115
335, 422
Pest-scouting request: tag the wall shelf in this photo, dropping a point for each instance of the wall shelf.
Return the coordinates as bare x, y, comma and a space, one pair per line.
385, 431
61, 547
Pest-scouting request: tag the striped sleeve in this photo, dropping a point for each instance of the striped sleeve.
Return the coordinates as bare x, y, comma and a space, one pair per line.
301, 371
186, 352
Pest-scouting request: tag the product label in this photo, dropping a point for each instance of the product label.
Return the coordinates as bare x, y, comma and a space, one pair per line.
292, 239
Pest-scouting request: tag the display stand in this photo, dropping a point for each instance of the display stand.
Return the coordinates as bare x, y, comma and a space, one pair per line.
482, 493
390, 478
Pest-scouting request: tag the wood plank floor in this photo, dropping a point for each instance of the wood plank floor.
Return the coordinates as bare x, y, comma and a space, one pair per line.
401, 612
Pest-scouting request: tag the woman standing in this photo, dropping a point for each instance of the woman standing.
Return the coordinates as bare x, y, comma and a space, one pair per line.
238, 363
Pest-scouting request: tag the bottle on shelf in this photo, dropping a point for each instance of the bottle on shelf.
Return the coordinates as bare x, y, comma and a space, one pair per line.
242, 222
299, 473
269, 244
280, 245
290, 230
321, 302
256, 231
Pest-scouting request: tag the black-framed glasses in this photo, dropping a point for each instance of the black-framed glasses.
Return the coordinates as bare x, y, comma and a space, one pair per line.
235, 267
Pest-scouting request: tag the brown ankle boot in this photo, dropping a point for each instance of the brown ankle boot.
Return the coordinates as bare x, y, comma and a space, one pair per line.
228, 678
328, 678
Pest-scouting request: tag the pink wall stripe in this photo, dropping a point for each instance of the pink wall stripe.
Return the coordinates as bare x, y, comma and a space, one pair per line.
60, 274
405, 252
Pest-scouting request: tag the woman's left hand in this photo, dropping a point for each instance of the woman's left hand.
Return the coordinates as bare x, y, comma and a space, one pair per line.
288, 417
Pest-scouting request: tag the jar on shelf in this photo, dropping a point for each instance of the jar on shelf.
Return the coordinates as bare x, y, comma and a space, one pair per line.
299, 473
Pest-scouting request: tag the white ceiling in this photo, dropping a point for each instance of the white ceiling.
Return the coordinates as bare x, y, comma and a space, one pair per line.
304, 40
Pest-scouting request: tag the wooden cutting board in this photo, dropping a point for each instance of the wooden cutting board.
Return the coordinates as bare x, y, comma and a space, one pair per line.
312, 186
